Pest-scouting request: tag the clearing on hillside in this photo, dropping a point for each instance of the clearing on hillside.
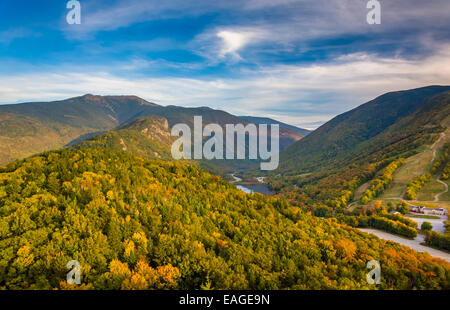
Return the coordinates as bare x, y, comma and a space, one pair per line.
413, 167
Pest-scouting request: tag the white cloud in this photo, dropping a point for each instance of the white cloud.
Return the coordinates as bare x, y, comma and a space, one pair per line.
226, 43
293, 25
266, 27
108, 15
301, 94
232, 42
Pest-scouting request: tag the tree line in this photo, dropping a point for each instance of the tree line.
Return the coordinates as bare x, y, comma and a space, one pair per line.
415, 185
382, 181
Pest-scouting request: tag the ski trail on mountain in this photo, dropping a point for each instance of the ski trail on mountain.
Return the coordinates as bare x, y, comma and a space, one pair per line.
434, 148
436, 197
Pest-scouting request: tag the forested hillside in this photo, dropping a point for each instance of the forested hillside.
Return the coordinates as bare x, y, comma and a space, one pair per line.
389, 124
34, 127
147, 137
328, 165
134, 223
30, 128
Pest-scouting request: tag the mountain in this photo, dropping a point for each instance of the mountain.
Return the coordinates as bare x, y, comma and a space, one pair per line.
146, 136
134, 223
391, 124
266, 120
86, 111
328, 166
30, 128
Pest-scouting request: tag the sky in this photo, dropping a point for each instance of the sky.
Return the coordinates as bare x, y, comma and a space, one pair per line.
298, 61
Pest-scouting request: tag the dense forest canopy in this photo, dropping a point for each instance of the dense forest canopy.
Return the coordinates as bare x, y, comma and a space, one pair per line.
137, 223
147, 137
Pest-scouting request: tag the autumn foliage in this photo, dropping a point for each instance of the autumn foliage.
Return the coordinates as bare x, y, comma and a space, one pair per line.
134, 223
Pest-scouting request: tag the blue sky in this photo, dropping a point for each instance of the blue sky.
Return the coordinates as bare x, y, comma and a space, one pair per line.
302, 61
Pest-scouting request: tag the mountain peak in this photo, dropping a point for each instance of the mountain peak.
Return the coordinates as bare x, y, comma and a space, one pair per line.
119, 98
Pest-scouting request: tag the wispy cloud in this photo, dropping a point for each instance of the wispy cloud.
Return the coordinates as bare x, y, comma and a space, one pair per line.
300, 94
112, 15
303, 61
233, 41
7, 36
225, 43
409, 28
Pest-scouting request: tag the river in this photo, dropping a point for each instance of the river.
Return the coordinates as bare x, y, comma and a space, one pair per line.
250, 188
255, 188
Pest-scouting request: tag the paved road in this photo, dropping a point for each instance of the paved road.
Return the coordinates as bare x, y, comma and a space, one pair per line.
438, 224
413, 244
235, 178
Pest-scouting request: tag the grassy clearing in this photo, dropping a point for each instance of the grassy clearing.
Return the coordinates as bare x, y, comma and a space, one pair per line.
353, 207
414, 166
360, 191
430, 217
418, 165
430, 190
394, 201
446, 197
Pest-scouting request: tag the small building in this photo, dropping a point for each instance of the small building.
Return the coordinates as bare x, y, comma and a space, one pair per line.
428, 211
442, 211
414, 209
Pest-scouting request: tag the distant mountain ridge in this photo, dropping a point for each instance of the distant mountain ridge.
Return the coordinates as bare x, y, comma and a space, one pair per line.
88, 110
328, 166
393, 118
30, 128
266, 120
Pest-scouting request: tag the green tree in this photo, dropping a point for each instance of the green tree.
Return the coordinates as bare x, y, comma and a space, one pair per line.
426, 226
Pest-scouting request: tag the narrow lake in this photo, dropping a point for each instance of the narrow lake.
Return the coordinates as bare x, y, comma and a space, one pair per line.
255, 188
251, 188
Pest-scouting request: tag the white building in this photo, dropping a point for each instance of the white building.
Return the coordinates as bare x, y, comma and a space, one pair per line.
428, 211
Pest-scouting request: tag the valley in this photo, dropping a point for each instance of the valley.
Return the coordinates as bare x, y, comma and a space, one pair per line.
212, 153
131, 211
